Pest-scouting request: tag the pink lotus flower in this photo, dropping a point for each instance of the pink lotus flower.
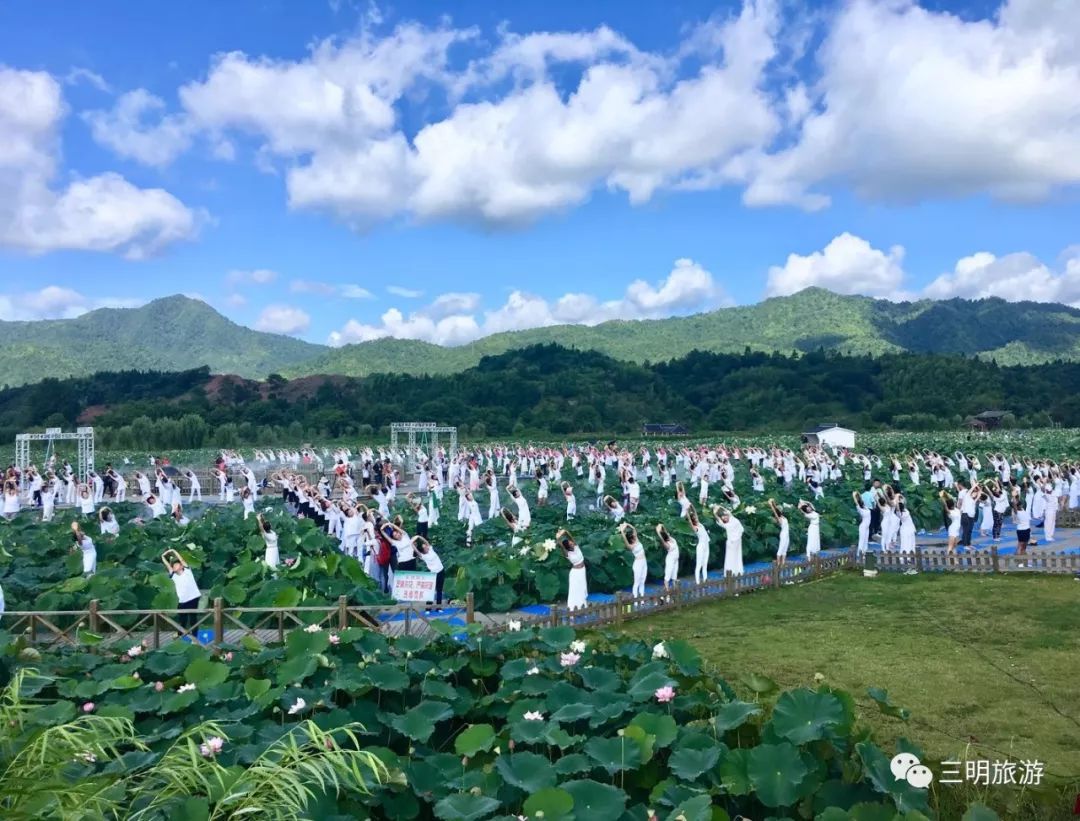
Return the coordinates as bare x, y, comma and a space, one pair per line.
229, 656
159, 686
135, 651
88, 707
212, 747
334, 638
665, 694
569, 659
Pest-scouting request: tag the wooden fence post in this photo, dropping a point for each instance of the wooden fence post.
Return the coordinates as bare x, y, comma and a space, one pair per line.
219, 621
470, 607
728, 582
94, 622
776, 574
343, 612
619, 598
918, 559
994, 558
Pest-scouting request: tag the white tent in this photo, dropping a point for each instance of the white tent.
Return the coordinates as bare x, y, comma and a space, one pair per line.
831, 434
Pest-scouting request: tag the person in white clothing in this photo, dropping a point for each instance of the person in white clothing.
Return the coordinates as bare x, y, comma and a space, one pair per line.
671, 557
785, 532
637, 549
701, 566
194, 487
178, 515
157, 509
433, 564
109, 525
86, 545
473, 519
733, 558
12, 505
86, 501
813, 529
864, 524
272, 557
187, 589
571, 500
577, 581
48, 500
247, 497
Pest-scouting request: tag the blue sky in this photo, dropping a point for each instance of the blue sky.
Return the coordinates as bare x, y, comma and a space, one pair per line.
521, 164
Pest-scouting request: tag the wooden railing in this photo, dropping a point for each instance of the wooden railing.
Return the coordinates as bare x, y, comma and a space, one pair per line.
219, 624
624, 606
931, 559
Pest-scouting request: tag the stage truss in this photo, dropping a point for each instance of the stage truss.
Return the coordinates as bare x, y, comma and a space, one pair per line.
84, 436
421, 436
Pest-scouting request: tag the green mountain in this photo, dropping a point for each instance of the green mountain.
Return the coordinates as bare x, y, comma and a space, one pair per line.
177, 333
172, 334
1012, 333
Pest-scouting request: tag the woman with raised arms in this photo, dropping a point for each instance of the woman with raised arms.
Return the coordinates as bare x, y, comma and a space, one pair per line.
577, 581
637, 549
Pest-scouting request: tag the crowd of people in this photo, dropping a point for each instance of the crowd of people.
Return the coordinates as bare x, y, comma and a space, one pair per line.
973, 492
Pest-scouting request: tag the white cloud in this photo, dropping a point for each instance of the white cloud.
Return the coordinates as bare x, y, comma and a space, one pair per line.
79, 75
256, 276
126, 131
1013, 277
283, 319
404, 293
456, 318
333, 119
896, 102
306, 286
913, 103
100, 213
851, 265
236, 300
56, 302
356, 292
847, 265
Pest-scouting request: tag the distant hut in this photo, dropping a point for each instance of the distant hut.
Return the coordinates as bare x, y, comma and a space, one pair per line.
664, 429
987, 420
830, 434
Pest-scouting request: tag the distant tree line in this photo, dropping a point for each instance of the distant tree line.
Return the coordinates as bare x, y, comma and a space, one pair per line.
548, 389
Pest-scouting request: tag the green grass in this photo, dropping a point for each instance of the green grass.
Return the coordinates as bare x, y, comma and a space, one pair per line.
989, 666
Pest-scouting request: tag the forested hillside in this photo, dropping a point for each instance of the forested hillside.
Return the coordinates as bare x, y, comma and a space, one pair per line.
553, 391
178, 333
171, 334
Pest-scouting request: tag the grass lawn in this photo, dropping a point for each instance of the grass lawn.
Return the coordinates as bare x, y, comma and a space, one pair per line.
989, 666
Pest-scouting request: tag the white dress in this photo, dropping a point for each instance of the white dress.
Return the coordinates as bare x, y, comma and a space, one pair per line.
272, 556
89, 555
785, 538
701, 567
813, 534
733, 560
641, 569
671, 562
578, 584
864, 529
954, 523
907, 533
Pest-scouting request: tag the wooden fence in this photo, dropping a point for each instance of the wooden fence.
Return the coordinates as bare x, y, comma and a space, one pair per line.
625, 607
939, 559
219, 624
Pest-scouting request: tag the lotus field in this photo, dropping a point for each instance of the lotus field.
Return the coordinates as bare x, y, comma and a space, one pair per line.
459, 725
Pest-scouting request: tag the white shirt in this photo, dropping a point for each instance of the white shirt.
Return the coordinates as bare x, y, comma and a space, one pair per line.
186, 586
432, 560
